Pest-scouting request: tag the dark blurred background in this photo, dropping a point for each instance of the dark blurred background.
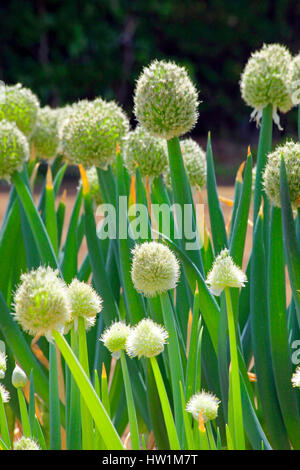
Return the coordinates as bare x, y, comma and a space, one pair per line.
67, 50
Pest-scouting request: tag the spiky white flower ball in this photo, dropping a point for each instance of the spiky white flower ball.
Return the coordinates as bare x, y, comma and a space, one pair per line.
92, 131
26, 443
2, 364
147, 339
165, 100
114, 338
294, 80
204, 402
14, 149
225, 273
194, 159
271, 176
21, 106
264, 81
84, 302
45, 137
146, 152
42, 302
4, 394
155, 269
19, 378
296, 377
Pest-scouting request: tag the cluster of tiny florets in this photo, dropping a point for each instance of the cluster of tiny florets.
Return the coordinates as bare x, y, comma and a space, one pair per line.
296, 377
265, 80
19, 105
225, 273
146, 152
45, 137
290, 152
91, 132
114, 338
84, 302
26, 443
205, 403
155, 269
147, 339
165, 100
42, 302
14, 149
5, 396
294, 80
2, 364
194, 159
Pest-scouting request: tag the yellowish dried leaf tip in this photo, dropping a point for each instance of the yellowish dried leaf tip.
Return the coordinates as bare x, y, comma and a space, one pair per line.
84, 179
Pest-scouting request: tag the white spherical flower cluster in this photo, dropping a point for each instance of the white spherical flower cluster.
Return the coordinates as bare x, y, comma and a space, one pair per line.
155, 269
5, 396
225, 273
146, 152
41, 302
45, 137
294, 80
296, 377
290, 151
264, 81
26, 443
14, 149
165, 100
114, 338
205, 403
21, 106
91, 132
147, 339
2, 364
84, 302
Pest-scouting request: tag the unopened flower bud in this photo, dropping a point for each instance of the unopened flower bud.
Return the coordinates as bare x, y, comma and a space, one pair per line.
19, 378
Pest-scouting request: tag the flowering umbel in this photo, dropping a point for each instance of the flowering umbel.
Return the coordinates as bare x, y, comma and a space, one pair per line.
264, 81
290, 151
42, 302
147, 339
2, 364
20, 105
296, 377
155, 269
146, 152
114, 338
205, 403
294, 80
84, 302
14, 149
4, 394
26, 443
165, 100
45, 137
225, 273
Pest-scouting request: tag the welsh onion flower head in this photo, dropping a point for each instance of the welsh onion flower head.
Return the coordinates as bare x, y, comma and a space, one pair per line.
21, 106
2, 364
91, 132
26, 443
205, 403
84, 302
147, 339
5, 396
296, 377
145, 151
155, 269
165, 100
114, 338
264, 81
225, 273
194, 159
14, 149
271, 176
41, 302
19, 378
45, 137
294, 80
